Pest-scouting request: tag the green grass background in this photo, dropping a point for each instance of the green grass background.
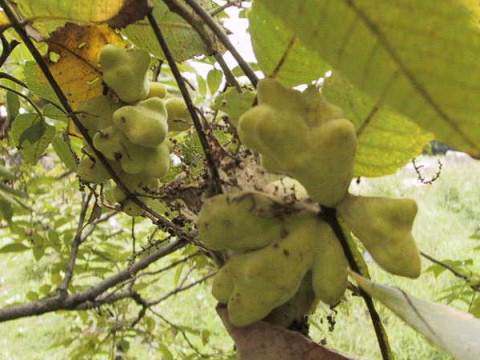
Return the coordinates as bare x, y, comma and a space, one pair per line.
449, 213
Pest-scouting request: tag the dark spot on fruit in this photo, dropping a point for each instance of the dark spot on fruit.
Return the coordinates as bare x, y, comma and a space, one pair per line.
285, 252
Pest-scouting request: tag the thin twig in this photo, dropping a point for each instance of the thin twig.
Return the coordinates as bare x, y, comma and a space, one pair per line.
159, 219
77, 240
218, 31
331, 217
74, 301
180, 289
215, 177
474, 287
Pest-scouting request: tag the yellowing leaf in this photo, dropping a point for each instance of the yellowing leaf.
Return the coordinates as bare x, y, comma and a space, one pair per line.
387, 140
117, 13
77, 69
454, 331
4, 22
419, 57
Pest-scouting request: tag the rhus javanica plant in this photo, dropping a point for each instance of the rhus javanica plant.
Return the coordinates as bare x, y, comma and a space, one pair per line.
174, 203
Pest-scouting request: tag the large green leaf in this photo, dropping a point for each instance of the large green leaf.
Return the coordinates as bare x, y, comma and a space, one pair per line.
32, 136
387, 140
274, 44
181, 38
454, 331
420, 57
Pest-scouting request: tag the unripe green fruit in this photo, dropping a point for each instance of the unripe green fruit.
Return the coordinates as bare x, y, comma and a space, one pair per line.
273, 275
108, 141
157, 90
158, 161
300, 135
132, 209
134, 158
287, 186
145, 123
179, 118
384, 226
240, 221
329, 271
125, 71
326, 173
92, 171
97, 113
269, 277
295, 309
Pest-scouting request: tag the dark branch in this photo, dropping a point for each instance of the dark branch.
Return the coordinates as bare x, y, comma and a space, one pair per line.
73, 302
331, 217
77, 240
215, 177
218, 31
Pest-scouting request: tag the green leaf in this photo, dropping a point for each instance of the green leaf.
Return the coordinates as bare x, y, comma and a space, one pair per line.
32, 136
275, 45
183, 41
53, 112
167, 355
6, 173
234, 104
214, 79
6, 210
10, 248
475, 308
64, 153
386, 140
12, 105
449, 329
9, 190
423, 63
37, 83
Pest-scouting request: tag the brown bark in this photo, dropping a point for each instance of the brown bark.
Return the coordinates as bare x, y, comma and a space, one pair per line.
263, 341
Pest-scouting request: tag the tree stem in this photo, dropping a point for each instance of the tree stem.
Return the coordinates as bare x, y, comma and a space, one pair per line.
330, 215
214, 175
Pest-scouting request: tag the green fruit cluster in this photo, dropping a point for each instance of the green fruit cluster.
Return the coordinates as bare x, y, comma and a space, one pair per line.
131, 132
283, 263
273, 251
300, 134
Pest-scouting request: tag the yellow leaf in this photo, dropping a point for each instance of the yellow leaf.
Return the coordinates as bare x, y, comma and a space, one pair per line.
74, 53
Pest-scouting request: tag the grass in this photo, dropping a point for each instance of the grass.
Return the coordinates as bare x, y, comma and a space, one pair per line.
449, 212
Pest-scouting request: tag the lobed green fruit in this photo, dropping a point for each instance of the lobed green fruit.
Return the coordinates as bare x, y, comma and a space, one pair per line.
384, 226
97, 113
300, 135
108, 141
145, 123
133, 157
327, 171
158, 161
179, 118
295, 309
157, 90
267, 278
132, 209
91, 170
329, 271
125, 71
240, 221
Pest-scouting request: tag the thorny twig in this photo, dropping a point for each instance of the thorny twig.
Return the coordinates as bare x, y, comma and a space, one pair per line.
420, 176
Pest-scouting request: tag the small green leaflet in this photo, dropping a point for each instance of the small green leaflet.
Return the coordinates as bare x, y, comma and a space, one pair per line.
32, 136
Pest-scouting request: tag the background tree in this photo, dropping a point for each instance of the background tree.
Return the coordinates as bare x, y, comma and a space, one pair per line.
84, 142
